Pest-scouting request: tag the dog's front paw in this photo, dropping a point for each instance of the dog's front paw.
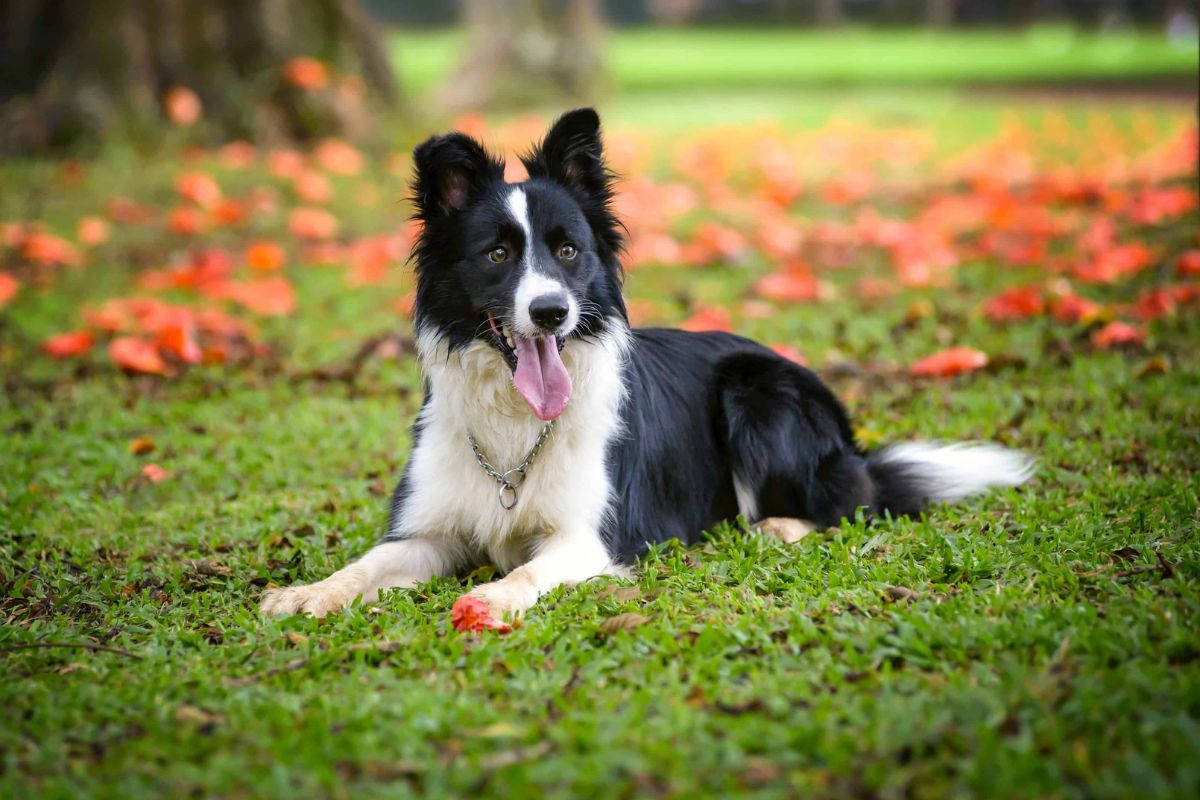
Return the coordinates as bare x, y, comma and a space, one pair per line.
507, 599
317, 599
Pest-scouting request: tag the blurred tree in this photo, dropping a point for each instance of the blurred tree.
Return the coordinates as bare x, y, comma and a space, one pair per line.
521, 52
72, 71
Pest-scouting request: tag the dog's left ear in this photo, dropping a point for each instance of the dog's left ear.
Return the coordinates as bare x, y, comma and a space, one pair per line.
572, 154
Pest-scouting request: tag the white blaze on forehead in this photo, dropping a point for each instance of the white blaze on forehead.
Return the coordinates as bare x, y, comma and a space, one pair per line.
518, 206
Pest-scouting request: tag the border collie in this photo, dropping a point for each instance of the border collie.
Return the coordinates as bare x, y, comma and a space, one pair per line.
558, 443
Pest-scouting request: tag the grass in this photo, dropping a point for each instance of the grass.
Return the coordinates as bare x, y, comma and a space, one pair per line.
1045, 646
654, 59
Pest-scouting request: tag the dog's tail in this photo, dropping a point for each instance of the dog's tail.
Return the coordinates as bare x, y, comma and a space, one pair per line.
909, 476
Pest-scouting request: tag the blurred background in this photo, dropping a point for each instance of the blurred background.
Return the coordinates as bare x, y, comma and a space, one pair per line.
200, 156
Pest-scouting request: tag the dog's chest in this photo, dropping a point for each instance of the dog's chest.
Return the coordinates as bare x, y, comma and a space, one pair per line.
566, 483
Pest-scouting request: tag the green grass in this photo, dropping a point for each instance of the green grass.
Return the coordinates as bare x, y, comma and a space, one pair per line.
650, 59
1049, 648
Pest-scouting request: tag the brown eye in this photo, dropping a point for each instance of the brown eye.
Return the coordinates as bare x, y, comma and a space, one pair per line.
498, 255
567, 251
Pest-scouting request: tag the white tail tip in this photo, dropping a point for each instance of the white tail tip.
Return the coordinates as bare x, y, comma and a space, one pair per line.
953, 472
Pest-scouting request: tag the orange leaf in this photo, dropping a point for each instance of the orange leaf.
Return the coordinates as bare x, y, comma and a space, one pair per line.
470, 614
313, 223
180, 340
265, 256
92, 231
154, 473
954, 361
141, 445
43, 248
185, 221
305, 72
8, 288
708, 319
182, 106
136, 355
66, 345
199, 188
269, 296
338, 157
1115, 333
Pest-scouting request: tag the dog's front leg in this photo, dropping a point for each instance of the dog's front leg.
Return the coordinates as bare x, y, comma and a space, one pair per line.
388, 565
566, 557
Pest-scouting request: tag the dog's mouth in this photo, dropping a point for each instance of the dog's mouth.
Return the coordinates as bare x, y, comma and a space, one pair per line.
538, 371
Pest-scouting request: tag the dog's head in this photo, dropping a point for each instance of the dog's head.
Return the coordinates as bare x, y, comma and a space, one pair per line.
524, 267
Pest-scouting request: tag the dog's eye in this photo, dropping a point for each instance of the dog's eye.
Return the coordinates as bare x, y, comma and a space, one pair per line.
567, 251
498, 255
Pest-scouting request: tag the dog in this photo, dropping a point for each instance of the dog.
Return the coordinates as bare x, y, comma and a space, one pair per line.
558, 443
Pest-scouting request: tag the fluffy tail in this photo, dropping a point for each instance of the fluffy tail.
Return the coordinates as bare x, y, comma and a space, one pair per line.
909, 476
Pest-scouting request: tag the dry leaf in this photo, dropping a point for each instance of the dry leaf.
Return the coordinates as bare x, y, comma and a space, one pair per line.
141, 446
895, 594
623, 622
206, 567
296, 638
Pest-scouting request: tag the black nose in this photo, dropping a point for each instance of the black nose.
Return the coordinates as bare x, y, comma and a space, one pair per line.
548, 311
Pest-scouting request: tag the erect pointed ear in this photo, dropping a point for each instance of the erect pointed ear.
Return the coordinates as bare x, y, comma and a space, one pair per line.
572, 154
451, 170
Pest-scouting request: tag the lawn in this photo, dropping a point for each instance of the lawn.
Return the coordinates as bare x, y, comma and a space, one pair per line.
649, 59
1040, 642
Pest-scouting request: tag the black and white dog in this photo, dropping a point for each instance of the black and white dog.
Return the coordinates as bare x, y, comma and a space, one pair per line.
558, 443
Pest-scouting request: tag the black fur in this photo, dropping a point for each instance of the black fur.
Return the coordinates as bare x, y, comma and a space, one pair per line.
700, 408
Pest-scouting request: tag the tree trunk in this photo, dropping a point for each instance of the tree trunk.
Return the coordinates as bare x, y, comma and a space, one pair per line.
829, 13
524, 52
939, 13
72, 71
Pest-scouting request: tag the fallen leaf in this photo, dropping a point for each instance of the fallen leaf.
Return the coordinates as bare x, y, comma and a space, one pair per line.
203, 566
954, 361
182, 106
708, 319
296, 638
895, 594
199, 716
305, 72
154, 473
1118, 333
141, 446
623, 622
92, 231
8, 288
66, 345
1016, 303
265, 256
472, 614
136, 355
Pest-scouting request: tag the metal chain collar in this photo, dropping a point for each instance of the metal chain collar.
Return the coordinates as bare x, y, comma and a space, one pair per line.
513, 478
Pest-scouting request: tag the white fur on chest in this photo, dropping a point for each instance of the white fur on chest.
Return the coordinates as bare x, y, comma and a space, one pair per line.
566, 487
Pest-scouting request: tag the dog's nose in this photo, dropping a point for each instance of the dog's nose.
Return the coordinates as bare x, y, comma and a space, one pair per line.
548, 311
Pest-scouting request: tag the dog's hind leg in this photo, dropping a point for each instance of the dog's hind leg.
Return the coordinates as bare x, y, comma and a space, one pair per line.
789, 445
388, 565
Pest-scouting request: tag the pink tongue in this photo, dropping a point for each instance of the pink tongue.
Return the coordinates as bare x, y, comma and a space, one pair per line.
541, 377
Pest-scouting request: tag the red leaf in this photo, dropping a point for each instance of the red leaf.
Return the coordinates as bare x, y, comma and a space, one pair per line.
136, 355
472, 614
182, 106
1071, 308
708, 319
154, 473
794, 284
1116, 333
1189, 263
66, 345
954, 361
1016, 303
8, 288
92, 231
1155, 303
305, 72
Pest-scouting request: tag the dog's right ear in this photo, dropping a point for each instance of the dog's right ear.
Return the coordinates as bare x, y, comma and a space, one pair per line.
451, 170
